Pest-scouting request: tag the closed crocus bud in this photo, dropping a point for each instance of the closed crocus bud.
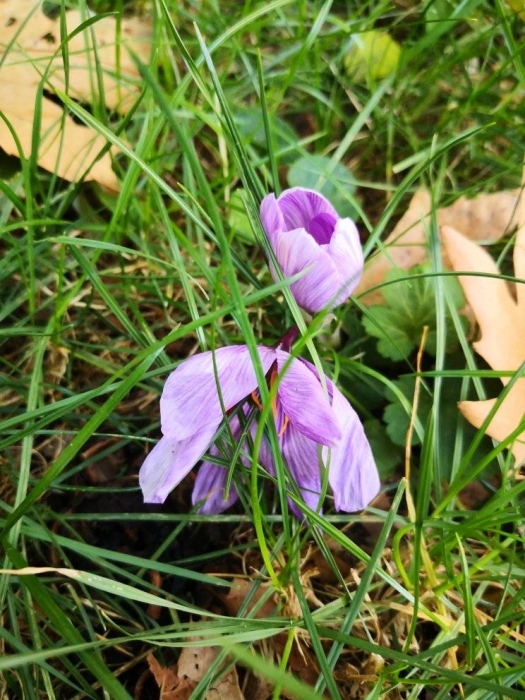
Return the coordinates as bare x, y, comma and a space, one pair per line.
306, 233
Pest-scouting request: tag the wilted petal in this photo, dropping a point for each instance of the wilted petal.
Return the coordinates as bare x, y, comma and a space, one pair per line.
190, 399
304, 401
302, 456
209, 488
352, 470
299, 206
271, 217
346, 253
298, 250
169, 462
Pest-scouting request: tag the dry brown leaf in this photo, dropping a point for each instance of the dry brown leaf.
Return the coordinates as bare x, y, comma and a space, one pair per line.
486, 217
166, 678
501, 318
256, 687
28, 44
236, 596
301, 660
194, 663
178, 682
500, 315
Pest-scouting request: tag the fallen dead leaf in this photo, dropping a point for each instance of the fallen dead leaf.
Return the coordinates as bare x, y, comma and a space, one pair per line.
500, 315
475, 494
194, 663
154, 611
499, 312
301, 660
167, 679
179, 681
236, 596
486, 217
257, 688
30, 48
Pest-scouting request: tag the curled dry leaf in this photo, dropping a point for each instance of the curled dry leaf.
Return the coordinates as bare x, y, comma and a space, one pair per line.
486, 217
30, 49
500, 315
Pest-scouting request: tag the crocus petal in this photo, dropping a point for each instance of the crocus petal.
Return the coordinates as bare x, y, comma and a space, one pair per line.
346, 253
352, 470
265, 456
299, 206
302, 456
322, 227
211, 478
304, 401
271, 217
209, 489
190, 399
169, 462
296, 251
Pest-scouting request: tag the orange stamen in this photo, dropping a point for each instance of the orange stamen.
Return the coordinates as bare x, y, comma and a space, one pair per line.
256, 400
285, 425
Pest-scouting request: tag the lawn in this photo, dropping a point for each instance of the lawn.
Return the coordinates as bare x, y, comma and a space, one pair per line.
137, 142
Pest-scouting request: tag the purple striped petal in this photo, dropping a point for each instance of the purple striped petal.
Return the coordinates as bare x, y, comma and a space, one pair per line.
322, 227
346, 253
304, 401
211, 478
302, 456
296, 251
265, 456
209, 489
169, 462
271, 217
299, 206
190, 400
352, 470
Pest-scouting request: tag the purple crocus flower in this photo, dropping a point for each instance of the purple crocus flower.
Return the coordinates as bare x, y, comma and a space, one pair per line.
305, 231
308, 423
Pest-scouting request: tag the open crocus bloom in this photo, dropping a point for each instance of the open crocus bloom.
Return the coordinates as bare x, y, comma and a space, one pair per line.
305, 231
308, 422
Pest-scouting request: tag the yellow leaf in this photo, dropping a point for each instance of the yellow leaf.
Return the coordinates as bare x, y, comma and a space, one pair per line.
65, 147
501, 321
486, 217
518, 6
500, 314
505, 420
29, 48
